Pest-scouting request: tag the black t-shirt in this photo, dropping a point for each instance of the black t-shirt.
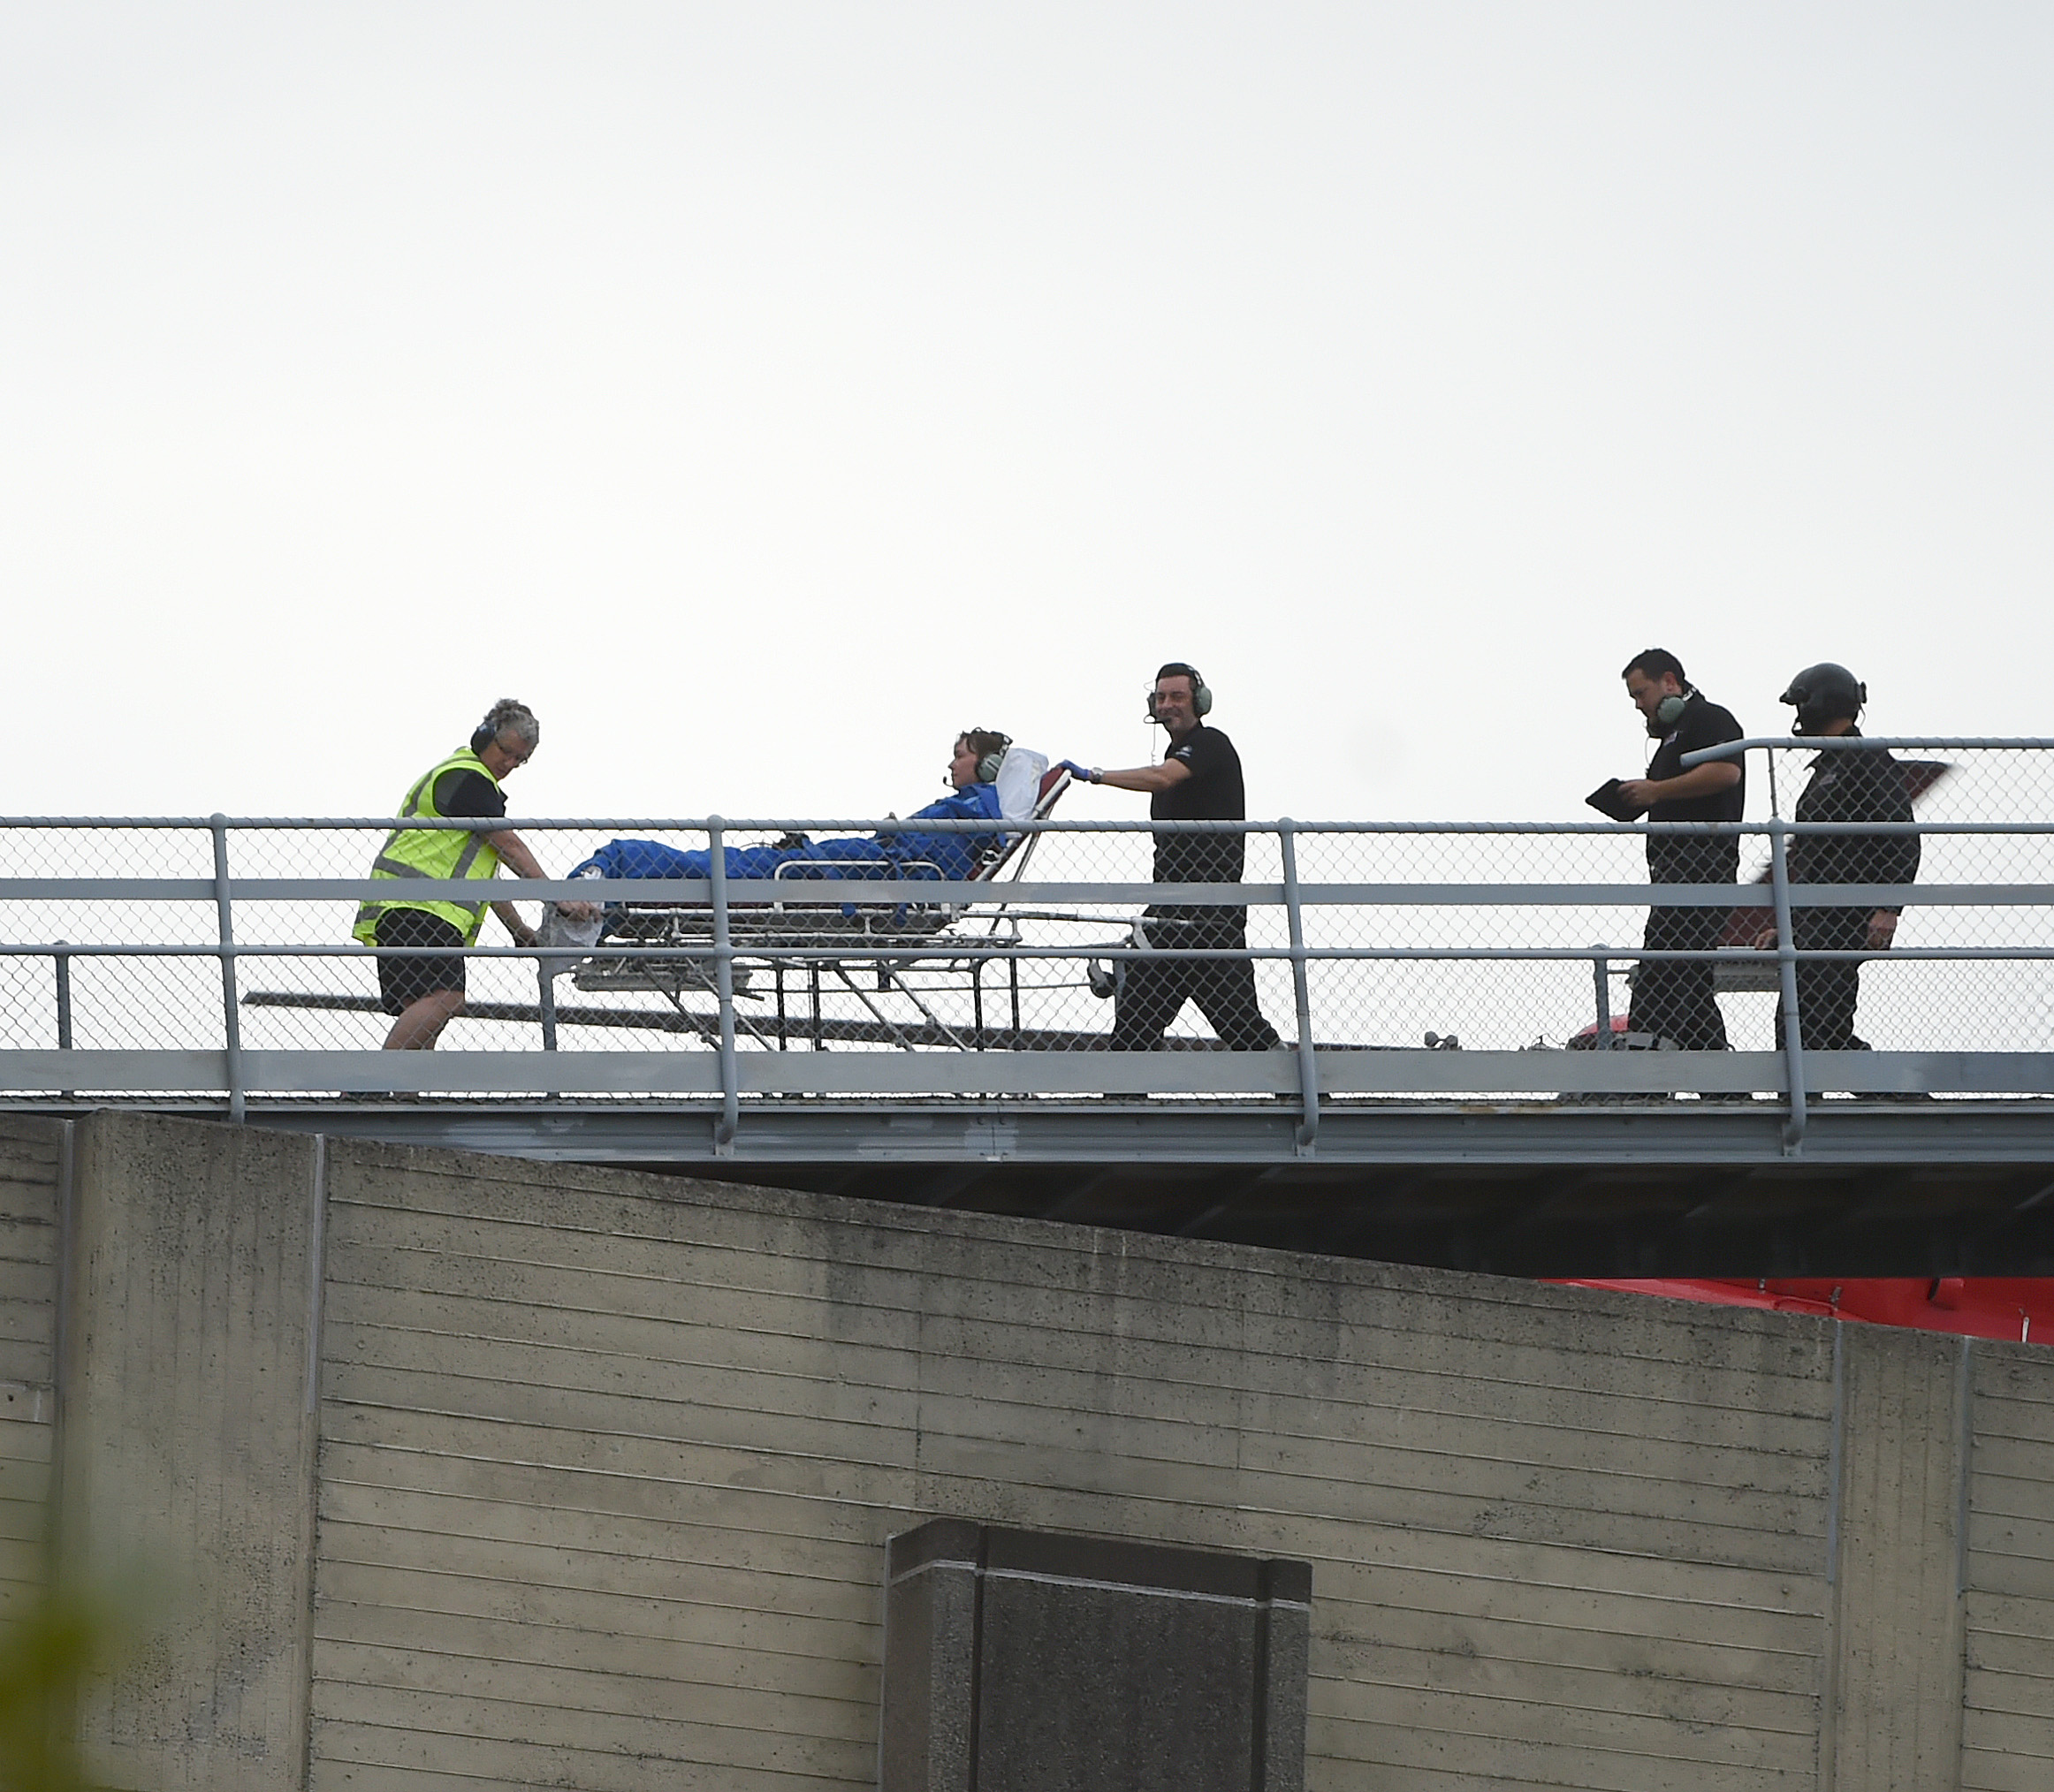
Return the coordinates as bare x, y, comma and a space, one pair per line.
461, 792
1213, 792
1701, 725
1854, 786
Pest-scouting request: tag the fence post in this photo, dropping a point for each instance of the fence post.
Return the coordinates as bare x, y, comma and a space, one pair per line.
231, 1012
1602, 971
545, 1009
1793, 1053
545, 1001
61, 959
724, 987
1308, 1061
61, 963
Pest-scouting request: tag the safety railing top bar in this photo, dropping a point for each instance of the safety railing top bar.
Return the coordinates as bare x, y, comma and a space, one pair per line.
1366, 935
1893, 743
1724, 749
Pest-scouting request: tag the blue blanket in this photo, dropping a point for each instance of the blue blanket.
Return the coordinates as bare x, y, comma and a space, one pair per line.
893, 855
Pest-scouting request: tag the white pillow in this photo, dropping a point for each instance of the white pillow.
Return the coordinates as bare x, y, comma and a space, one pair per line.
1019, 781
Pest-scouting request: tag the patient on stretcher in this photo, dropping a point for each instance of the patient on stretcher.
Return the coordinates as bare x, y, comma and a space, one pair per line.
993, 780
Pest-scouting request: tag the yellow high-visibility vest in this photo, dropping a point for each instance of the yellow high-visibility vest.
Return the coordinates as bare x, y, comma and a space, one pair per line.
435, 853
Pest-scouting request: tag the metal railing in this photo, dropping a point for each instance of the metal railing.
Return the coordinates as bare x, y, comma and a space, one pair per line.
210, 959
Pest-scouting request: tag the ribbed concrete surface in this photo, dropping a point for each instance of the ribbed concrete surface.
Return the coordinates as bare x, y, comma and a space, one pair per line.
30, 1153
606, 1464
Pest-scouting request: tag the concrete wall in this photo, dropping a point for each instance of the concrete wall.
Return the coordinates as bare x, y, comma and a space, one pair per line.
606, 1464
188, 1441
2007, 1572
32, 1158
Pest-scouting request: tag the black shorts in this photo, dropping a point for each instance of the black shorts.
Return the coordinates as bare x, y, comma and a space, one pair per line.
403, 981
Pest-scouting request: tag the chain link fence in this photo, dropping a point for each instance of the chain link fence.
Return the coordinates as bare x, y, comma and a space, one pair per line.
1442, 960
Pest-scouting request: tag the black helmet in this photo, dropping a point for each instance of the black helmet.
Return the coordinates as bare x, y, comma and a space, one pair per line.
1824, 694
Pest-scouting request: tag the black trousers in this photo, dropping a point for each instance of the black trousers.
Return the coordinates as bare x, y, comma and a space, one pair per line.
1672, 997
1827, 994
1155, 991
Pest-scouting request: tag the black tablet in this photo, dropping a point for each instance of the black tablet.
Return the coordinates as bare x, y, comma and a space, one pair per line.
1607, 801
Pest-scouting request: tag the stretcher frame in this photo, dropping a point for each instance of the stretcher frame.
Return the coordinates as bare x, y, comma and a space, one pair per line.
857, 949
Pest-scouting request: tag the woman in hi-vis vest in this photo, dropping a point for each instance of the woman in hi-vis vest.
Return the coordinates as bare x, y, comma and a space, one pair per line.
424, 988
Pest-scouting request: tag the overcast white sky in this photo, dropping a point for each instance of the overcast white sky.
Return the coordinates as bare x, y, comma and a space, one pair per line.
765, 392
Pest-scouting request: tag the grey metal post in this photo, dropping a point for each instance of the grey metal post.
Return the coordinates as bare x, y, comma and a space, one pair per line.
1793, 1053
724, 987
545, 1006
545, 1001
231, 1012
61, 962
1308, 1062
1601, 969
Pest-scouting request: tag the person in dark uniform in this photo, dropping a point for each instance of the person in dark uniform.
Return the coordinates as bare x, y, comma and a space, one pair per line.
1199, 779
1673, 1004
1846, 785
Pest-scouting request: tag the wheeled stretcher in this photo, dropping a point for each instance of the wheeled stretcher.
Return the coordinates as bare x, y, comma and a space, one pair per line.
790, 955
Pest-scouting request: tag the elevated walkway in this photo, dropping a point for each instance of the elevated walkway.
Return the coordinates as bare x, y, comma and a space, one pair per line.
1451, 997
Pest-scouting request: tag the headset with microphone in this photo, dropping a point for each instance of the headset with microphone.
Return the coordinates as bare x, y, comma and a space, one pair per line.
989, 763
986, 769
1201, 692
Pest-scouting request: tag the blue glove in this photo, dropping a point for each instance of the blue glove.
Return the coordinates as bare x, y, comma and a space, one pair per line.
1081, 773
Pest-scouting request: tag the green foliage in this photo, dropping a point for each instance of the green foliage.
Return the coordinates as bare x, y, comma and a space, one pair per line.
49, 1650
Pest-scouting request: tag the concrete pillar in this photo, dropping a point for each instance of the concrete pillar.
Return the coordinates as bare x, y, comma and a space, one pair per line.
188, 1438
1892, 1717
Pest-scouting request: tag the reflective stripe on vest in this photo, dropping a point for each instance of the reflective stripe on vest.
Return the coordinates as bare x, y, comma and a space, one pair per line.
438, 853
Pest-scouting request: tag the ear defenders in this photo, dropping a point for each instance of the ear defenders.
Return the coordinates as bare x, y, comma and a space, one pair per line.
1670, 710
1201, 692
483, 735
